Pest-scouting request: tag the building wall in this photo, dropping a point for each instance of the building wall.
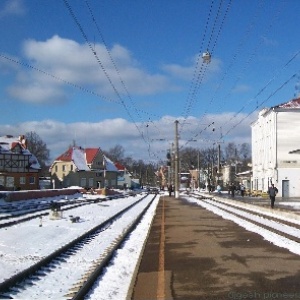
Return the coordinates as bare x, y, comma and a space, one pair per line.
97, 163
274, 135
16, 174
64, 175
62, 169
20, 181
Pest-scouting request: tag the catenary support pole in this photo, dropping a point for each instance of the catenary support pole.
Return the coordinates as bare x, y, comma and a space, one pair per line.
176, 161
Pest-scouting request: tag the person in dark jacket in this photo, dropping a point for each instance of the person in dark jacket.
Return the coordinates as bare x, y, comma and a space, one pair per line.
272, 194
170, 189
232, 189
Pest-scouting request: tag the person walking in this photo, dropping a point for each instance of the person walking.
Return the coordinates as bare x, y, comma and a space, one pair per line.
242, 189
272, 191
170, 189
232, 189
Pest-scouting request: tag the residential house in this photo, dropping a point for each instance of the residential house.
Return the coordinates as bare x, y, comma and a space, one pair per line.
275, 136
236, 173
87, 168
124, 177
19, 169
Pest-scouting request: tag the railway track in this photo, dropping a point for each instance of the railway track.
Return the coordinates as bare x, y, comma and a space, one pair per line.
278, 225
10, 220
79, 263
34, 209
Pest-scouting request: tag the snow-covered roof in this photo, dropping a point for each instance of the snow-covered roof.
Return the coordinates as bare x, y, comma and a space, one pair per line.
83, 157
78, 158
109, 165
295, 103
8, 144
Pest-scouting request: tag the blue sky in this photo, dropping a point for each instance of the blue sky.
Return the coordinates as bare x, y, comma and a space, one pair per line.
103, 73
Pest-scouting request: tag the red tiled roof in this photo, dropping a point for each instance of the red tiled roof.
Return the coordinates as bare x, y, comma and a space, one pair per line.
66, 156
16, 144
119, 166
91, 154
295, 103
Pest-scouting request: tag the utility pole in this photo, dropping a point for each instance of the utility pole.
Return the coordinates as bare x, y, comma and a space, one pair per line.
219, 157
198, 173
176, 161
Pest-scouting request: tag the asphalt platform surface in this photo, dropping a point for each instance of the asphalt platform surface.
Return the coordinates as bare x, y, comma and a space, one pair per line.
192, 253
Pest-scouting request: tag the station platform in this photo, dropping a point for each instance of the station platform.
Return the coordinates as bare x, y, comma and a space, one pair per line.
192, 253
291, 204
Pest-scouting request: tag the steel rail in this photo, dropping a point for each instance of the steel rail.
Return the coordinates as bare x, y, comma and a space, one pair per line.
8, 284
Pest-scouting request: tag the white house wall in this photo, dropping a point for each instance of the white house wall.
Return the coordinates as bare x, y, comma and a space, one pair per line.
288, 139
264, 150
288, 134
294, 179
274, 135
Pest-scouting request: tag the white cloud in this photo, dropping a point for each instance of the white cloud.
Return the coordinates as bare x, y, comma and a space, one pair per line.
69, 61
111, 132
187, 72
12, 7
269, 42
241, 88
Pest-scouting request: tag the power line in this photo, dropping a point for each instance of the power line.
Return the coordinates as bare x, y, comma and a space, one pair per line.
102, 66
196, 84
83, 89
268, 98
111, 58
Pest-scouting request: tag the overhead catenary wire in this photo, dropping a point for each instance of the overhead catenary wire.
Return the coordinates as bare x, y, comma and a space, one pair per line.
234, 58
67, 82
144, 125
265, 87
103, 68
251, 26
247, 63
200, 76
74, 85
112, 60
261, 103
198, 69
196, 83
77, 86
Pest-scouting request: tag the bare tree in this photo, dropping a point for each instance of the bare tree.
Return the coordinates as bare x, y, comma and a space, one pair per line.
38, 147
116, 153
245, 151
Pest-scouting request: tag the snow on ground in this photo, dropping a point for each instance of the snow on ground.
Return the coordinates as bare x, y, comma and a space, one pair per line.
20, 245
26, 243
116, 282
272, 237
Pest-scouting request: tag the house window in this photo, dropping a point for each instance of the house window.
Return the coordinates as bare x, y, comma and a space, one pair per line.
91, 182
32, 180
83, 182
71, 167
10, 181
56, 169
22, 180
64, 168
